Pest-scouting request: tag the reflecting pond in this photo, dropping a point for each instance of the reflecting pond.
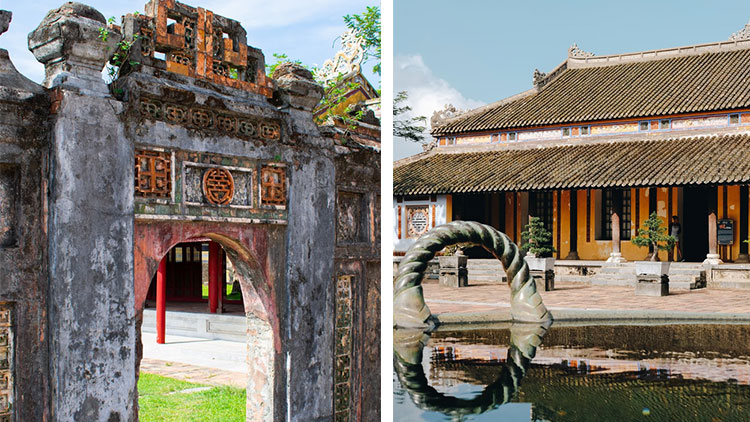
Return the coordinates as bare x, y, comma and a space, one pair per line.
574, 372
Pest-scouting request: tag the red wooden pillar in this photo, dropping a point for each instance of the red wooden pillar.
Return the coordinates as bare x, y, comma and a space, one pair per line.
214, 254
161, 300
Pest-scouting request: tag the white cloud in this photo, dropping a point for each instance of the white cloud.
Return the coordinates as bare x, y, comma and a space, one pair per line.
427, 93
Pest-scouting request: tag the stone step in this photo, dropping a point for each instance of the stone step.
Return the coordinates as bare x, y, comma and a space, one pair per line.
486, 278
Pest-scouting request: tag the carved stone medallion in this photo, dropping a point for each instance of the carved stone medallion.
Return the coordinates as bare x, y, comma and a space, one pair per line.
218, 186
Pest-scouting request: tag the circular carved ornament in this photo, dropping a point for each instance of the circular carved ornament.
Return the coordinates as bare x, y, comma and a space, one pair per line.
218, 186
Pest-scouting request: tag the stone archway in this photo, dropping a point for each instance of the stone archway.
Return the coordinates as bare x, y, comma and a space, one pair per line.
250, 249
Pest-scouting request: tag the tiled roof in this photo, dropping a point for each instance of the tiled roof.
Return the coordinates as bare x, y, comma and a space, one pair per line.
635, 89
665, 162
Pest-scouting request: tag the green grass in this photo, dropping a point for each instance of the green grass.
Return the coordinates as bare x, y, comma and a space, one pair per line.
236, 296
160, 400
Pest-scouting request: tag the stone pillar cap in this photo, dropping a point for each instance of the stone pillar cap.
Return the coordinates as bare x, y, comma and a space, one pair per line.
68, 43
297, 86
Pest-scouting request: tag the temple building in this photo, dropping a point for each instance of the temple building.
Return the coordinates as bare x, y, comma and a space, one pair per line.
594, 147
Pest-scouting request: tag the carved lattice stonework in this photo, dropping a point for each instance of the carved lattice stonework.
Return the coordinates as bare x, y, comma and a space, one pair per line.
273, 185
197, 44
153, 174
417, 221
202, 118
6, 364
270, 131
218, 186
343, 352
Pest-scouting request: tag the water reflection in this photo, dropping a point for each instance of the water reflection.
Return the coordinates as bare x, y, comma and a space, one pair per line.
652, 372
408, 354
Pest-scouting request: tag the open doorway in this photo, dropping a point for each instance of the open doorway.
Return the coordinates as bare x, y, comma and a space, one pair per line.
189, 268
698, 202
232, 256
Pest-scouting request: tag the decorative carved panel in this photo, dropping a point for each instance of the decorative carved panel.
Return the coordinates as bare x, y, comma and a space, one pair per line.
6, 364
233, 124
417, 221
343, 352
153, 174
350, 221
8, 204
273, 185
218, 186
242, 195
199, 44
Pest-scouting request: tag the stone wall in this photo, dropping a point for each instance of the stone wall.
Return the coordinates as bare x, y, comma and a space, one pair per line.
102, 181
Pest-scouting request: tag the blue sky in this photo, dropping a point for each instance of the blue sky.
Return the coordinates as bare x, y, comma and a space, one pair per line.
304, 30
472, 52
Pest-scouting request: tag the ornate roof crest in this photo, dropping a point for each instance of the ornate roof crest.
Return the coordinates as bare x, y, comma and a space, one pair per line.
448, 112
539, 77
347, 60
742, 34
576, 52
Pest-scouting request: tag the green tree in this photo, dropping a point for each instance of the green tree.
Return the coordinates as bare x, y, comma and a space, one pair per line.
537, 239
653, 234
367, 26
412, 128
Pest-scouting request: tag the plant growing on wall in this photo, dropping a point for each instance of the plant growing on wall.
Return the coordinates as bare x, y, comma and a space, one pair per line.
653, 234
121, 58
537, 239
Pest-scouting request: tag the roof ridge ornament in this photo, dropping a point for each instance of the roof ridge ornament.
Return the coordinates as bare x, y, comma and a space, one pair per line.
539, 78
347, 60
577, 53
742, 34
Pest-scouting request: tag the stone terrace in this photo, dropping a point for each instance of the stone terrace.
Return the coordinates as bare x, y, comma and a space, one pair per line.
481, 297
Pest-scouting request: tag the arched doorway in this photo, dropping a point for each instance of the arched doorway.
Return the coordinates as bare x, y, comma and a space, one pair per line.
248, 250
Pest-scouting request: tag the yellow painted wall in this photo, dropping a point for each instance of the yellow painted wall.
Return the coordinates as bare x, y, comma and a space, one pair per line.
730, 252
600, 249
565, 224
448, 208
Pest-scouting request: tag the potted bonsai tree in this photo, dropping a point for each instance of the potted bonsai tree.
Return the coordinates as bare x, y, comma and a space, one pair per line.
536, 244
652, 233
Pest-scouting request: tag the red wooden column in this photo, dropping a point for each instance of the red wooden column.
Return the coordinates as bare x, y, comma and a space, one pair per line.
214, 265
161, 300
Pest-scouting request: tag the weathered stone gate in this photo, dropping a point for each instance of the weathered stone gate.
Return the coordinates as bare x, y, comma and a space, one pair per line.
192, 141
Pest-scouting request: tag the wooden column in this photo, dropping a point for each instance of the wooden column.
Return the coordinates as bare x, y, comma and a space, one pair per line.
161, 301
214, 265
743, 256
573, 254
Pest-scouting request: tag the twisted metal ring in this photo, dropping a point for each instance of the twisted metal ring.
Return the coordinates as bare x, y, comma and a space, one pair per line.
409, 308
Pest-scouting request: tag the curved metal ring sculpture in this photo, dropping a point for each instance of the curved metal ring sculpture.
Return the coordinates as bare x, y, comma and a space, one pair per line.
409, 308
524, 340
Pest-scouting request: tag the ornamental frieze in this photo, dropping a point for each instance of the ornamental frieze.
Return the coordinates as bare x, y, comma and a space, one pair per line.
202, 118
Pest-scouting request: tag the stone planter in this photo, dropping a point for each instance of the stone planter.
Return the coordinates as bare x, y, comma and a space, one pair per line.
453, 271
453, 261
652, 278
540, 264
656, 268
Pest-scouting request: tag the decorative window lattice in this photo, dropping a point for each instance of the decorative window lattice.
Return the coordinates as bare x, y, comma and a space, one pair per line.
273, 186
343, 352
153, 174
218, 186
6, 365
417, 221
